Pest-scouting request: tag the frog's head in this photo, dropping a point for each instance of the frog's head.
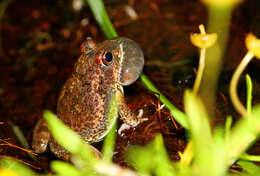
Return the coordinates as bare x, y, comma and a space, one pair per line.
124, 57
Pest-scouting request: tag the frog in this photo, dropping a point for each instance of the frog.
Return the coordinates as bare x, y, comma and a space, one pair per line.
86, 98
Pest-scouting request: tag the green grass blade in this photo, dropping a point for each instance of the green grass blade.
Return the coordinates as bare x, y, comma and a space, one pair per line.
99, 11
179, 116
228, 127
109, 143
19, 134
249, 93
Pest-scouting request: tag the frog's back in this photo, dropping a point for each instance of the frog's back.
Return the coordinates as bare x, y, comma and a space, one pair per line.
82, 100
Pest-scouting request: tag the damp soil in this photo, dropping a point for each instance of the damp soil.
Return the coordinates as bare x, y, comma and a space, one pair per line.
40, 42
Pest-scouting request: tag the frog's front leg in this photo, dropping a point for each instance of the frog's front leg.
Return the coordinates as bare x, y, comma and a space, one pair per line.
129, 118
41, 136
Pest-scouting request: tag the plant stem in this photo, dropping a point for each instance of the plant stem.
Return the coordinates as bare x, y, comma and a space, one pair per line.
249, 94
200, 70
201, 63
218, 22
234, 81
202, 29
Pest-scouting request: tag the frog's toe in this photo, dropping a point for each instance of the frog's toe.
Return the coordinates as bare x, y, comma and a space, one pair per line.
123, 127
126, 126
140, 113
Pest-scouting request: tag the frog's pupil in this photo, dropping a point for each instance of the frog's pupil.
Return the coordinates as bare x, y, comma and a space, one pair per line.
109, 57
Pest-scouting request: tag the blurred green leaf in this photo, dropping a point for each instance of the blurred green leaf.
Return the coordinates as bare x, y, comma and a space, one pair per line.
250, 157
243, 134
201, 137
62, 133
218, 165
63, 168
151, 159
198, 121
16, 167
250, 167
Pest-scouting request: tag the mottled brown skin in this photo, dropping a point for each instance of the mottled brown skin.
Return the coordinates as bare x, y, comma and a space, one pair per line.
85, 96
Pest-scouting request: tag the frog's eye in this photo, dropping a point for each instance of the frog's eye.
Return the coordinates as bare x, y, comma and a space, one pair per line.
107, 58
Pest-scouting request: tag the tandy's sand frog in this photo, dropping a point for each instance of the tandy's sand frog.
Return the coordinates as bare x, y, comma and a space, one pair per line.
85, 99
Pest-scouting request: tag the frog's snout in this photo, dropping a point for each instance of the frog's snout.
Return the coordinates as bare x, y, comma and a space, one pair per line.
131, 61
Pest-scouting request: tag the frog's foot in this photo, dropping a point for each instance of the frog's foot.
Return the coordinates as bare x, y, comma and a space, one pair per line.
66, 156
41, 136
126, 126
